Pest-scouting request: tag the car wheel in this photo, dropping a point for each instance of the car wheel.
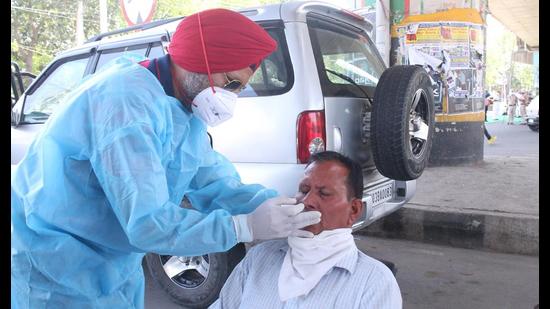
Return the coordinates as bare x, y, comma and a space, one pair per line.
402, 122
534, 128
194, 281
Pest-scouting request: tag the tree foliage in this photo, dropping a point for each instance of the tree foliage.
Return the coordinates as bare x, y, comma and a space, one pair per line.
173, 8
42, 28
523, 76
500, 69
499, 58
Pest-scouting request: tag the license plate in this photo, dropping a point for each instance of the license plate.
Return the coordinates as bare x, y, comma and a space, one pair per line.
382, 194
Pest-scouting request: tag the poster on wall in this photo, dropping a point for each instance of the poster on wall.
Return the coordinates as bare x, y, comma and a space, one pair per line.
477, 62
422, 33
421, 43
459, 89
430, 57
452, 54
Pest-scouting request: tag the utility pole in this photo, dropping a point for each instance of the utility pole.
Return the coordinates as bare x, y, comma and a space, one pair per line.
103, 24
80, 23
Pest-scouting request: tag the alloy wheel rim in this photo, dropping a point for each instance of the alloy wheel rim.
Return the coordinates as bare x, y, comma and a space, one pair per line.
418, 123
186, 271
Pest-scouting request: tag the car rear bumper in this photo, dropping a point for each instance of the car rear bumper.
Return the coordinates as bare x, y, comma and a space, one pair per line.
403, 192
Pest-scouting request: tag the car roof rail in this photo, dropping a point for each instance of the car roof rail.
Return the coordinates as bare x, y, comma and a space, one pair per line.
145, 26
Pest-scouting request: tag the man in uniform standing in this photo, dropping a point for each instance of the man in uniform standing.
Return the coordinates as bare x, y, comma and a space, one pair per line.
512, 102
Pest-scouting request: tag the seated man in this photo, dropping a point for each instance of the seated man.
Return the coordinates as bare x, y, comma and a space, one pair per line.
321, 266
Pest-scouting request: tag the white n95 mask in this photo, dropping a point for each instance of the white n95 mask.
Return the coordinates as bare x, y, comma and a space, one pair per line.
214, 108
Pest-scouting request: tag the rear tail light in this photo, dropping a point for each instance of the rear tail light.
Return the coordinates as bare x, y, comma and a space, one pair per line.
311, 134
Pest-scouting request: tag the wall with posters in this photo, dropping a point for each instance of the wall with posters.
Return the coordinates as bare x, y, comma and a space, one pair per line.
449, 44
451, 51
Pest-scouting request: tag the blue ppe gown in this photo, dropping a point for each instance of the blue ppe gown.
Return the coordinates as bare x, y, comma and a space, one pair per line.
102, 184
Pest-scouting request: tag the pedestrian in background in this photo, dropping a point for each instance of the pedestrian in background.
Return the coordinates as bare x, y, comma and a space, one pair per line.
497, 108
488, 101
523, 102
512, 102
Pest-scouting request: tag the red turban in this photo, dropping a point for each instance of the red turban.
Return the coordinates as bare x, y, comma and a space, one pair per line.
232, 42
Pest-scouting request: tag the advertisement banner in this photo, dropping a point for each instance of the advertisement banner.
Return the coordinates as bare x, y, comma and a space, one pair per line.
454, 32
424, 33
459, 54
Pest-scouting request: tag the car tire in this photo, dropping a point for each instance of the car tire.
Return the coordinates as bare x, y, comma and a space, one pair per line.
190, 288
402, 122
534, 128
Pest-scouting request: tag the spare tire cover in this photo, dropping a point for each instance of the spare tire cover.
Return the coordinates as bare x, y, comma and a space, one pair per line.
402, 122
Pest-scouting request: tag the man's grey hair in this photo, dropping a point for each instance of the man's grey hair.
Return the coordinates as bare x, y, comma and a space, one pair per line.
193, 83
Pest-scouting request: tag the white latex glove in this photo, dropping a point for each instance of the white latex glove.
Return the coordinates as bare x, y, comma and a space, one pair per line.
280, 217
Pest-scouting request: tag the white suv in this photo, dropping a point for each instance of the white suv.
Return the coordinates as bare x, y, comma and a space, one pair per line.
324, 88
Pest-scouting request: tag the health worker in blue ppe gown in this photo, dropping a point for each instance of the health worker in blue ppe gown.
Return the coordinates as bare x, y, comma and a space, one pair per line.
102, 184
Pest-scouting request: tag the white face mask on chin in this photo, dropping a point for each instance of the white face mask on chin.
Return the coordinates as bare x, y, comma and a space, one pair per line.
309, 259
214, 108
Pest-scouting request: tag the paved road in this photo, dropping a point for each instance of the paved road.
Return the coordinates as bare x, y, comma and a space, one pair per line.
435, 277
498, 183
512, 140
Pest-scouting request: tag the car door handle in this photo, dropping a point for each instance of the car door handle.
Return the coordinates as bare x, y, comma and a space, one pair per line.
337, 139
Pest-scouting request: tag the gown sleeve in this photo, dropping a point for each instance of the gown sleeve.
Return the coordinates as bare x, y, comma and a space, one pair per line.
127, 160
217, 185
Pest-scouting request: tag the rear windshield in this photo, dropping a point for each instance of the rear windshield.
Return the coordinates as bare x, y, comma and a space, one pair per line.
342, 54
275, 75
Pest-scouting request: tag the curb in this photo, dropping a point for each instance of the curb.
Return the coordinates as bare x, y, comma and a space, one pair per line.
471, 229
